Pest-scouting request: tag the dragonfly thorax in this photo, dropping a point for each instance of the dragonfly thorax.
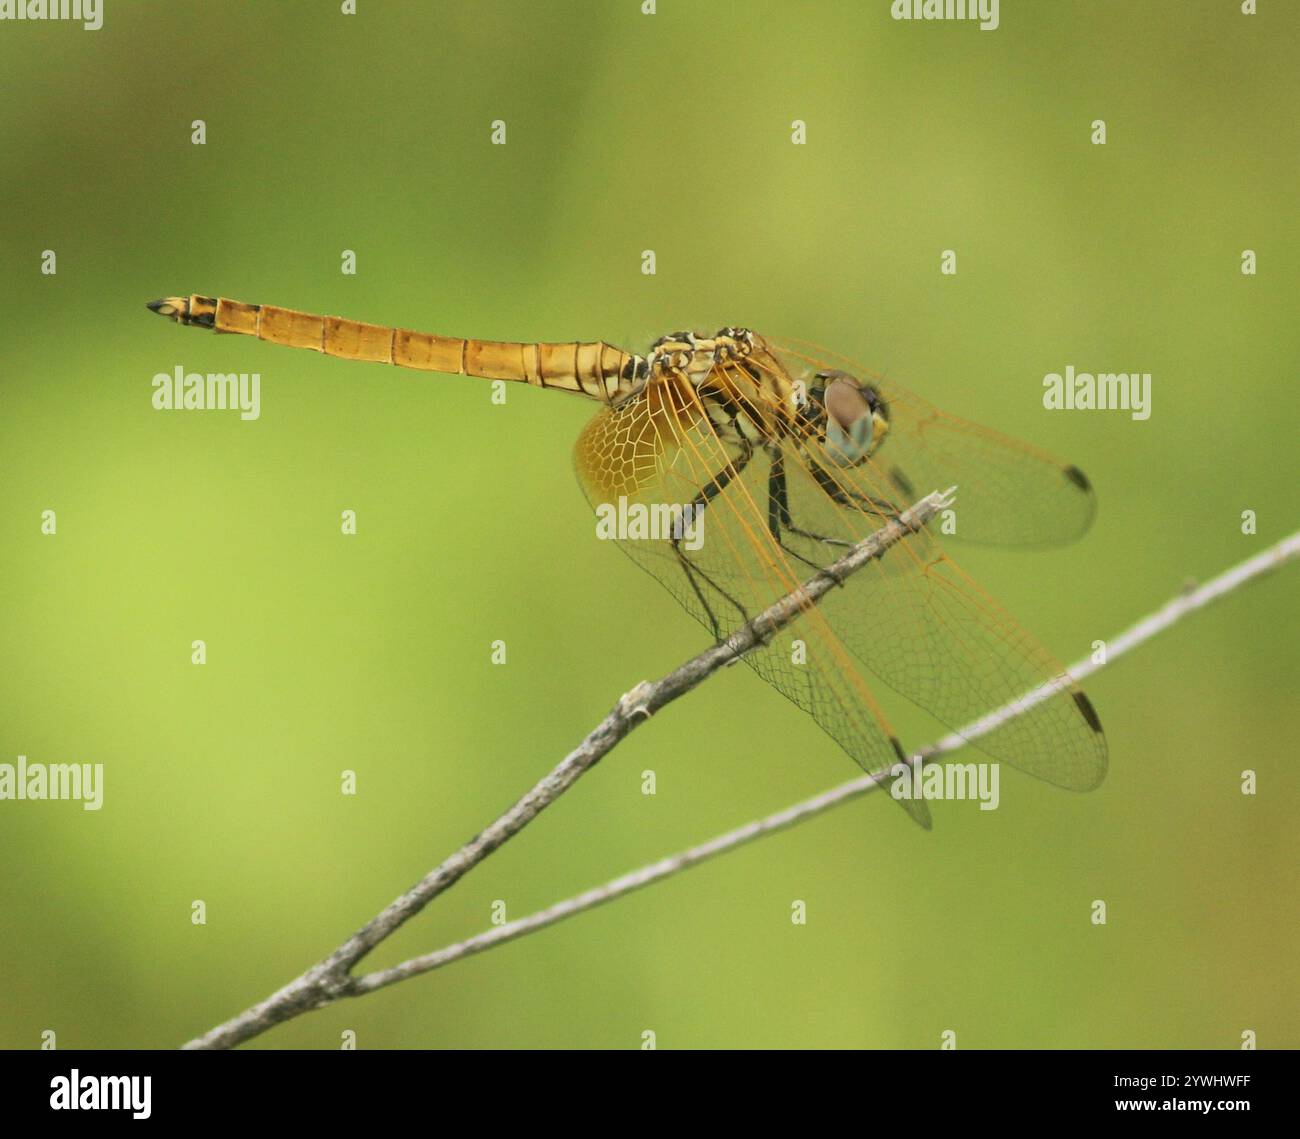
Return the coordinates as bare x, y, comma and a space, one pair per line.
688, 354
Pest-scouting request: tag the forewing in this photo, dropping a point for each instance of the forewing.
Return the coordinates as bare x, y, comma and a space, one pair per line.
926, 629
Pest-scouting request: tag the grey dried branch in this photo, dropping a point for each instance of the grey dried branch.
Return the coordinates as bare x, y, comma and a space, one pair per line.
1187, 602
331, 978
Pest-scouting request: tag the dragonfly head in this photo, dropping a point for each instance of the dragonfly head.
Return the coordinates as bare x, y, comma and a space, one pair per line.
851, 417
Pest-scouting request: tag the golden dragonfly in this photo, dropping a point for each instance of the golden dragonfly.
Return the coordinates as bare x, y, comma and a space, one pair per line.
791, 458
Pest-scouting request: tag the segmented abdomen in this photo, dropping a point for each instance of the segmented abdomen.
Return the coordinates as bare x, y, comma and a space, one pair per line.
595, 369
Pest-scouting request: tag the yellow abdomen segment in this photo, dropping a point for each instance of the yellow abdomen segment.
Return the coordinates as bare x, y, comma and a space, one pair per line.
595, 369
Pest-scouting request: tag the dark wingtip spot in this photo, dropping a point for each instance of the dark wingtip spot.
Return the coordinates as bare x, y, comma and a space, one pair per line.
1077, 477
902, 482
1088, 711
915, 807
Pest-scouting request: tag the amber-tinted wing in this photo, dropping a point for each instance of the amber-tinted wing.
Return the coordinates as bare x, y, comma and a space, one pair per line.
1011, 493
660, 450
913, 618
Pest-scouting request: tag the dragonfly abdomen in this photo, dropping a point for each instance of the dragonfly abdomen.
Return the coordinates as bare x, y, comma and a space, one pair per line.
594, 369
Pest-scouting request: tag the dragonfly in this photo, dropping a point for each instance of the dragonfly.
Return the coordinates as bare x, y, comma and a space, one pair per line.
785, 456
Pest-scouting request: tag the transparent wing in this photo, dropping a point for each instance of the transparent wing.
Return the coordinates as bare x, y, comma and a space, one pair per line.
661, 452
1010, 492
924, 627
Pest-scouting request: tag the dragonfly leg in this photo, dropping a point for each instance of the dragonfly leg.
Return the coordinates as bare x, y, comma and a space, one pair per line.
779, 519
714, 487
687, 568
841, 496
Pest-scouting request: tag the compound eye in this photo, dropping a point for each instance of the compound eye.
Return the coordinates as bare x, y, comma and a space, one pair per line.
846, 403
849, 426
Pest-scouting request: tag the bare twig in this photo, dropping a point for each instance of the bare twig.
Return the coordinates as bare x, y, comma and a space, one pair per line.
1130, 638
331, 979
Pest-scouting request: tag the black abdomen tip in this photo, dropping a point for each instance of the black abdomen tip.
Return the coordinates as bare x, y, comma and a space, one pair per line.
174, 308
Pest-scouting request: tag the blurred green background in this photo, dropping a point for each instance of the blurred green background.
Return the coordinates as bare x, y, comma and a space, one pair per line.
627, 132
